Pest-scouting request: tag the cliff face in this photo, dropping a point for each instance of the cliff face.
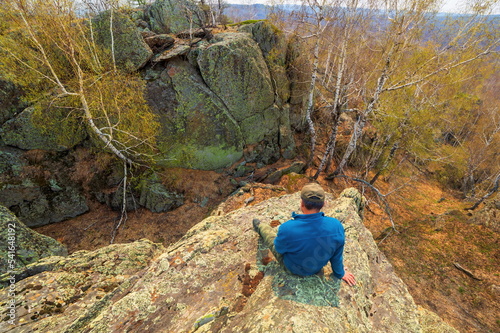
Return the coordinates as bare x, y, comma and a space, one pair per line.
215, 280
220, 100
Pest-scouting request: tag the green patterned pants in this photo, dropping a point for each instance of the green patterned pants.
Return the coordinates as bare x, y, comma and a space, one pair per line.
268, 235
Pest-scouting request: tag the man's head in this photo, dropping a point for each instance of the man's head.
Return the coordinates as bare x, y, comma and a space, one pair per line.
313, 197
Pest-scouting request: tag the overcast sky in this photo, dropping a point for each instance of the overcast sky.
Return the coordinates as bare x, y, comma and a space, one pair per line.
450, 6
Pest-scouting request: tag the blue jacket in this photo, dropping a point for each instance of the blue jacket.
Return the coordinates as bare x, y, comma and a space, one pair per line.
309, 241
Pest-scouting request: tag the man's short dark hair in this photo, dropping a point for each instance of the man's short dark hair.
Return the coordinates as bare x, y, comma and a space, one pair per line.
312, 205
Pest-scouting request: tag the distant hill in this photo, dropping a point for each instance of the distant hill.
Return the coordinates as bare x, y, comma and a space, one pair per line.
239, 12
260, 12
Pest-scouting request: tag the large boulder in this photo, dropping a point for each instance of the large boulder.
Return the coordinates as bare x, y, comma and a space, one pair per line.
274, 45
299, 74
168, 16
25, 131
21, 245
40, 206
131, 51
199, 132
37, 192
215, 103
233, 67
155, 196
218, 278
489, 214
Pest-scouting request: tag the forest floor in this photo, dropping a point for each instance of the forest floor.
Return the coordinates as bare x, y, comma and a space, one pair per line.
434, 234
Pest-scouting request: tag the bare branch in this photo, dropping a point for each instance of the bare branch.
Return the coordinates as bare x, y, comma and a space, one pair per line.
382, 197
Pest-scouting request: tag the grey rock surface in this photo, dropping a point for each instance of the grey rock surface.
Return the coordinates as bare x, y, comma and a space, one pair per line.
274, 47
216, 102
155, 196
213, 280
233, 67
22, 132
131, 51
21, 246
167, 16
37, 195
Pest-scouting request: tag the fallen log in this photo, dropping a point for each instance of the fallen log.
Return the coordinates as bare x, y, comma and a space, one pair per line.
467, 272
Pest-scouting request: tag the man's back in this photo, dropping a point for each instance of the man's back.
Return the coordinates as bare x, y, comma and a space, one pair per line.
309, 241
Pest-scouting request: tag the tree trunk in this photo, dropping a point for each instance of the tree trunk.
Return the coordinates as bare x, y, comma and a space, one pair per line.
392, 153
325, 161
487, 195
353, 142
310, 100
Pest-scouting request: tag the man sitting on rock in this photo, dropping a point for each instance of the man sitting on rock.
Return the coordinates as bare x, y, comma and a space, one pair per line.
307, 242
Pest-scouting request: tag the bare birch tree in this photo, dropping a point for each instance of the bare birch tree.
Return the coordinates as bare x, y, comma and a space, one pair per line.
408, 20
50, 50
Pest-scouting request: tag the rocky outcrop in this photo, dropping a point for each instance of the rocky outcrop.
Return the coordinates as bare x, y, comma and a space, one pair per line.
59, 287
218, 278
489, 214
21, 246
167, 16
24, 132
273, 45
35, 189
214, 95
233, 67
218, 101
131, 51
197, 129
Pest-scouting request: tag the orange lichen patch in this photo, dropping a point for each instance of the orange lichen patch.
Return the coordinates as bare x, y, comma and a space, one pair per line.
274, 223
228, 282
266, 260
177, 261
239, 304
154, 296
250, 284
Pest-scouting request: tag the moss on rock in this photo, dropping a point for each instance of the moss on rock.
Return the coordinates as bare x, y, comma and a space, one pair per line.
25, 131
199, 132
273, 45
167, 16
131, 51
22, 245
234, 69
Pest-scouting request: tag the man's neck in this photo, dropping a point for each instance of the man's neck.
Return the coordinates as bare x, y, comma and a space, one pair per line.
307, 211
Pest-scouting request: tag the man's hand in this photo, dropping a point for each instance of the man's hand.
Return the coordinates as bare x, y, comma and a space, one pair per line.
349, 278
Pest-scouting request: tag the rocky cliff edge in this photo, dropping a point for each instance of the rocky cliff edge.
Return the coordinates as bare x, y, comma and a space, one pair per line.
218, 278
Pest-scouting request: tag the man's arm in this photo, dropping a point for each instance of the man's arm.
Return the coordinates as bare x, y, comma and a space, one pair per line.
338, 267
337, 262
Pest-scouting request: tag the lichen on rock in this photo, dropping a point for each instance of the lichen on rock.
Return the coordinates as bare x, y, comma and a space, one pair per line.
131, 51
212, 280
69, 292
233, 67
27, 245
24, 131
